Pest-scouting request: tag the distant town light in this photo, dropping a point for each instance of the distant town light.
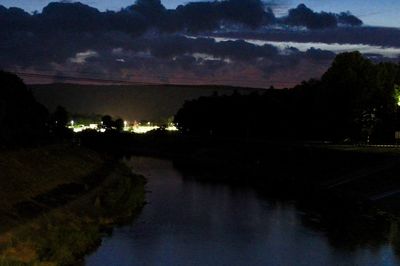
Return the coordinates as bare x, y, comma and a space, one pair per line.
139, 129
135, 127
397, 94
172, 128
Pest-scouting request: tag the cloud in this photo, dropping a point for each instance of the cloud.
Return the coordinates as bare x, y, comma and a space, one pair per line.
205, 16
81, 58
328, 48
151, 14
373, 36
305, 17
346, 18
319, 54
148, 41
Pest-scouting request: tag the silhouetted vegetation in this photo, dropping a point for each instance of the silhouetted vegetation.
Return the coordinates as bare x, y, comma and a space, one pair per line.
354, 100
119, 124
60, 117
22, 118
59, 122
108, 123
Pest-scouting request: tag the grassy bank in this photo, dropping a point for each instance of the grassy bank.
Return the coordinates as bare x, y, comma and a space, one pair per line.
58, 202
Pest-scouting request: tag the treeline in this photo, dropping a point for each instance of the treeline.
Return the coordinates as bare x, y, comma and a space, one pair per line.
355, 100
23, 120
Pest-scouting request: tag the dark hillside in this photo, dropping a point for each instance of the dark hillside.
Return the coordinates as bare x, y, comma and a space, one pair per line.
130, 102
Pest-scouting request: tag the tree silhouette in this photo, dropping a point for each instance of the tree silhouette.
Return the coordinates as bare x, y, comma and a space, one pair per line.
355, 99
119, 124
107, 122
22, 118
60, 117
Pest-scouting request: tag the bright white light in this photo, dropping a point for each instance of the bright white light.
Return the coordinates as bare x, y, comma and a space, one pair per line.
143, 129
126, 126
136, 128
80, 127
172, 128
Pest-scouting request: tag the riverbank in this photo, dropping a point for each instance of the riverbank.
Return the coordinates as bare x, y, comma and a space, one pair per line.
59, 201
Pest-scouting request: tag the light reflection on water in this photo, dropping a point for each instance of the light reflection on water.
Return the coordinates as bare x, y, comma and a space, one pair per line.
192, 223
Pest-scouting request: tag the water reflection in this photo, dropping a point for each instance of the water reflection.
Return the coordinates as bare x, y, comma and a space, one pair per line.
192, 223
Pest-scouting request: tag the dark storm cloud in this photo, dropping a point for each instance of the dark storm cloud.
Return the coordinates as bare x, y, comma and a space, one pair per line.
146, 14
204, 16
181, 48
170, 46
305, 17
200, 55
148, 37
136, 19
346, 18
386, 37
14, 19
318, 54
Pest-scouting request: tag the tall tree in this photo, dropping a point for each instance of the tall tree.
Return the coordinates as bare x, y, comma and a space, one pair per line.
22, 118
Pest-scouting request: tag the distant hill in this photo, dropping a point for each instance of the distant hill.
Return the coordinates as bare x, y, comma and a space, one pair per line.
155, 103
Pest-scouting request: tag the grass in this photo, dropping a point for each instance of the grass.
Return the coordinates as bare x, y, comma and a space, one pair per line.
27, 173
64, 234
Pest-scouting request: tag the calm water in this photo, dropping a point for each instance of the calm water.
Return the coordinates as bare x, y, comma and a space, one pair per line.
192, 223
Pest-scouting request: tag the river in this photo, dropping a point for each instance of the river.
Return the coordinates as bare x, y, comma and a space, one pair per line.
187, 222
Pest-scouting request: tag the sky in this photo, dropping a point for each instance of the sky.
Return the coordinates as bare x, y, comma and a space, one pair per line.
234, 42
372, 12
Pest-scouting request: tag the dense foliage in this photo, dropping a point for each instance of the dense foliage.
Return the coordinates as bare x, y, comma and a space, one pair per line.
22, 118
354, 100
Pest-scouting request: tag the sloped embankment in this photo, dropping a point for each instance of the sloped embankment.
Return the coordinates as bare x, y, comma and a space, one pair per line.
57, 202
